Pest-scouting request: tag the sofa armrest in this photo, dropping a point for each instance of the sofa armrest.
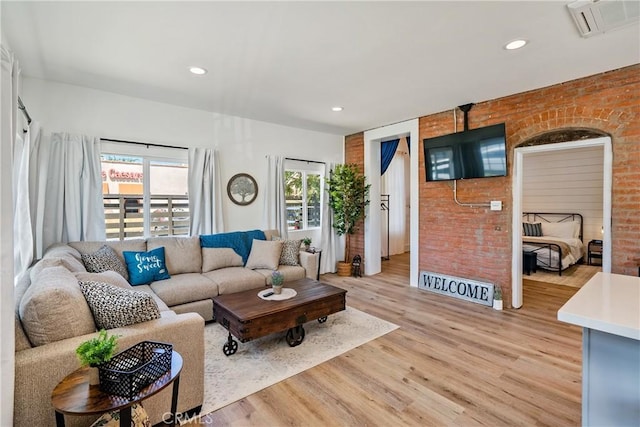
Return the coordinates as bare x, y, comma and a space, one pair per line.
39, 369
310, 263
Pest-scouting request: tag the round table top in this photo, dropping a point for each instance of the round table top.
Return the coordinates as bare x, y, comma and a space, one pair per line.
74, 395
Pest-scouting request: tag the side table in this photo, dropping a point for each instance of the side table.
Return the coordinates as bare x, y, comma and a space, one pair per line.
319, 252
594, 251
74, 396
529, 262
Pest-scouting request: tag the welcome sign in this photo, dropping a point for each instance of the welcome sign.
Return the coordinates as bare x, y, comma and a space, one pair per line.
466, 289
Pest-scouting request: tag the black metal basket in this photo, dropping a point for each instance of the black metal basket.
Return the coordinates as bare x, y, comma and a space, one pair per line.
131, 370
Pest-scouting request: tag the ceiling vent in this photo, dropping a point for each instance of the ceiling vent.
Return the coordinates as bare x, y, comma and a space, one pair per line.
598, 16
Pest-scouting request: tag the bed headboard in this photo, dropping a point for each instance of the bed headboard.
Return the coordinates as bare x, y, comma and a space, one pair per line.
553, 217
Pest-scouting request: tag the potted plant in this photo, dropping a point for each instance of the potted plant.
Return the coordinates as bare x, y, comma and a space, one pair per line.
306, 243
497, 299
277, 280
95, 352
348, 198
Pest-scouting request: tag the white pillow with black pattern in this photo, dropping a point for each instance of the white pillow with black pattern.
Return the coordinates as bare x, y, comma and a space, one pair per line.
104, 259
114, 307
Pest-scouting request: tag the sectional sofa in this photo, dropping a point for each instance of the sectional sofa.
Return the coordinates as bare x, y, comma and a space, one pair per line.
60, 303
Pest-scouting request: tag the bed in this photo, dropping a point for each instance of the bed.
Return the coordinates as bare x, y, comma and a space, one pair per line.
556, 239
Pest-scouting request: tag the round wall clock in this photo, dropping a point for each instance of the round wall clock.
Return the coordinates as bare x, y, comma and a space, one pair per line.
242, 189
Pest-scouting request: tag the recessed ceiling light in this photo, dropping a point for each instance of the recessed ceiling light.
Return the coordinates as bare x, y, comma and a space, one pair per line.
337, 108
198, 70
515, 44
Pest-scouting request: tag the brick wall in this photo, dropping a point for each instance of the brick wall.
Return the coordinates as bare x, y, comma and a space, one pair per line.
354, 153
476, 242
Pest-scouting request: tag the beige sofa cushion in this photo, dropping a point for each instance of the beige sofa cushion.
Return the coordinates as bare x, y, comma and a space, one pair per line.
66, 258
236, 279
216, 258
181, 254
61, 249
108, 276
290, 272
264, 254
184, 288
53, 308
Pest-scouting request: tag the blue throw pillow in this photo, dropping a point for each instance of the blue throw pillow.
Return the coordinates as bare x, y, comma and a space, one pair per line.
146, 267
239, 241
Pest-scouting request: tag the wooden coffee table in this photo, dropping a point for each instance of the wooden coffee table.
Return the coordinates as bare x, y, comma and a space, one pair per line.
246, 316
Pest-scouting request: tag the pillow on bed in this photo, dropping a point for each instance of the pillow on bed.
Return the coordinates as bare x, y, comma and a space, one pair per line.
564, 230
532, 229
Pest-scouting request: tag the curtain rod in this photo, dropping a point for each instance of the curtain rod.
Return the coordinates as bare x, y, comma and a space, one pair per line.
147, 144
308, 161
24, 110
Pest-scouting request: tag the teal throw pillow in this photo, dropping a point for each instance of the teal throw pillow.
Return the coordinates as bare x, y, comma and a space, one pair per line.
146, 267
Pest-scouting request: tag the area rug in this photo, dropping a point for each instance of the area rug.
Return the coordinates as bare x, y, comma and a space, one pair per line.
575, 276
263, 362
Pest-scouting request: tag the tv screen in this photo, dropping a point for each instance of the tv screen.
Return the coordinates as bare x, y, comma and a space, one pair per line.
475, 153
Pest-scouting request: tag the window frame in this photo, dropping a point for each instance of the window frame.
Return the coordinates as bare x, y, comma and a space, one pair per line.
148, 154
306, 169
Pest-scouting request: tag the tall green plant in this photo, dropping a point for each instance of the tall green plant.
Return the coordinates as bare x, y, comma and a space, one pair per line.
348, 198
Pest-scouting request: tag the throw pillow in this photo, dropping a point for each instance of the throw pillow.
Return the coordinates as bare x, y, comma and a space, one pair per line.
146, 267
217, 258
290, 251
104, 259
114, 307
532, 229
264, 254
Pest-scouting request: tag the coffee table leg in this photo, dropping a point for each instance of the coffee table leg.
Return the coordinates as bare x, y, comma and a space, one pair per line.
230, 347
295, 336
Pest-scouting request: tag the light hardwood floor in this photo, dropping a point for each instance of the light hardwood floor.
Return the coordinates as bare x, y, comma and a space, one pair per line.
450, 363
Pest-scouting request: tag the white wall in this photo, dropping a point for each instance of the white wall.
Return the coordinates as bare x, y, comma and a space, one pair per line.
242, 143
566, 181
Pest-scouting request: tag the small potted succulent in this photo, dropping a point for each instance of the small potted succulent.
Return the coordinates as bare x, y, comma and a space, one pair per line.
306, 243
497, 299
277, 279
95, 352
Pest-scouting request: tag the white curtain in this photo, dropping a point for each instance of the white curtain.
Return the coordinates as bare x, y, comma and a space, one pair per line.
275, 209
23, 235
9, 72
205, 192
393, 182
329, 240
74, 207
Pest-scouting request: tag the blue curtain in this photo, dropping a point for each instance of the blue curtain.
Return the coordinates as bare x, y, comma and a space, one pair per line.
387, 150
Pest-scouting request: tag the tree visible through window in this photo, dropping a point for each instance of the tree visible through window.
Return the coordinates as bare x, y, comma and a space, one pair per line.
303, 195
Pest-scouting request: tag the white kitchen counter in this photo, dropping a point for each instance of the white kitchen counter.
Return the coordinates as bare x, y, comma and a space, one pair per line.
608, 309
607, 303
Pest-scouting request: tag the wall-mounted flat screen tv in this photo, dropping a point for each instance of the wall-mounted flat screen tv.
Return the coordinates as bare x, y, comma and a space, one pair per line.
475, 153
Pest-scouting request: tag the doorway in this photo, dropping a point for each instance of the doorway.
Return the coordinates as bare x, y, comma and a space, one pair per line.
372, 222
519, 158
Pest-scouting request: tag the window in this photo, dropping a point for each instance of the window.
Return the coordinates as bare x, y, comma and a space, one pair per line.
303, 193
144, 197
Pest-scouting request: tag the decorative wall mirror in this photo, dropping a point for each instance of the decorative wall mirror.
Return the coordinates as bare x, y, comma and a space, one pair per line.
242, 189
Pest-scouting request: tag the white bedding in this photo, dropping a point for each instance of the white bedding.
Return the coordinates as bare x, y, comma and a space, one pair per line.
548, 259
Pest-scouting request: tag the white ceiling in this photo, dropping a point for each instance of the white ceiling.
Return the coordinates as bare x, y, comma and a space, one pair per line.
290, 62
